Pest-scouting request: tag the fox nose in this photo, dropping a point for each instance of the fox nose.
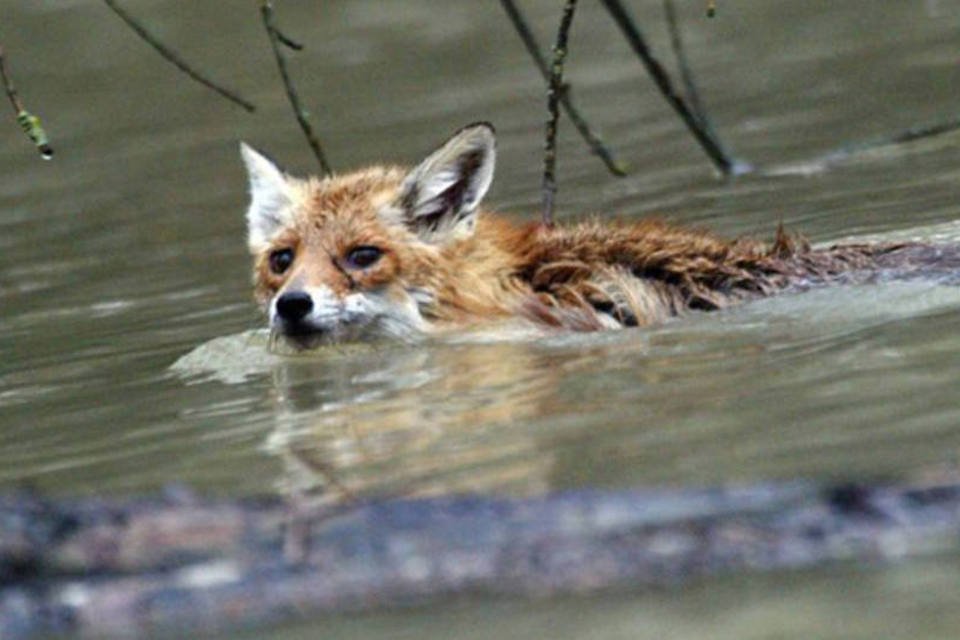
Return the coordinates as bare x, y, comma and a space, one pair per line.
294, 306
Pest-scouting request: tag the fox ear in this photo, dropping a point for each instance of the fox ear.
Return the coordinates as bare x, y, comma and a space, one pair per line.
439, 197
271, 197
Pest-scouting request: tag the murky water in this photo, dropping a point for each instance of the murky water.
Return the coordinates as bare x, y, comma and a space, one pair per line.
127, 253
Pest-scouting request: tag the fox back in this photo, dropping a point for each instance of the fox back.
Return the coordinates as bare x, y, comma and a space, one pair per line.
392, 253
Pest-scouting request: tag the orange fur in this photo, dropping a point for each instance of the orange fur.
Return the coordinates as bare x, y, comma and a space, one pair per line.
562, 276
445, 264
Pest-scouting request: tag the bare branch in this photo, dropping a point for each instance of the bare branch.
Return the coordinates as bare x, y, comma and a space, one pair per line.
175, 59
686, 75
276, 39
554, 91
904, 136
27, 121
288, 41
723, 162
593, 140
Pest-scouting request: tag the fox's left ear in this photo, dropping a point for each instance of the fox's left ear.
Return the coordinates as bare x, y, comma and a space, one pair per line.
439, 198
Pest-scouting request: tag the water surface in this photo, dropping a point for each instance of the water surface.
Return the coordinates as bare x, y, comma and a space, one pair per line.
126, 253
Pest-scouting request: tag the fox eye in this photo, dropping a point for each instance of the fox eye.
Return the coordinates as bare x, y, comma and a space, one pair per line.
363, 256
280, 260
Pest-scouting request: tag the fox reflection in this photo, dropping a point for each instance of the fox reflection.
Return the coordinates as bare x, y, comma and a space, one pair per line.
434, 421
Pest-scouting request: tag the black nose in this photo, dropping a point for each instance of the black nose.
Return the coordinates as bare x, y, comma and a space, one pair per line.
293, 306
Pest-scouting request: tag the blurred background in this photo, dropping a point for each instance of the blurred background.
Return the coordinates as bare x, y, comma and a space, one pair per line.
126, 254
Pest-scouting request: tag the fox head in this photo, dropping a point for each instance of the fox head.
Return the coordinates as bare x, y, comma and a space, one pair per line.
354, 257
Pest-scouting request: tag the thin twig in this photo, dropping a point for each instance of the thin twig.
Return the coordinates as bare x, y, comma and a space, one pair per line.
917, 132
913, 133
276, 39
27, 121
686, 76
8, 84
724, 163
593, 140
290, 42
175, 59
554, 91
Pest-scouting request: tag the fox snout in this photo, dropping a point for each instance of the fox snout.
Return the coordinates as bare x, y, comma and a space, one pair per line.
292, 314
293, 306
313, 314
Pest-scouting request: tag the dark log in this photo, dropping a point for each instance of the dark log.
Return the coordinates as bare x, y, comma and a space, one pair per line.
177, 563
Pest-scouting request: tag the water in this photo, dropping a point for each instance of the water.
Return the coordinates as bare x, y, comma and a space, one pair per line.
837, 604
126, 253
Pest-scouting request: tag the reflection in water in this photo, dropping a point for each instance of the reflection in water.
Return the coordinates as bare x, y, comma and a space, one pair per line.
756, 392
127, 251
414, 422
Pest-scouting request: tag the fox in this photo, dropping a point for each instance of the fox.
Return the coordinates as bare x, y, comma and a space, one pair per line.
387, 253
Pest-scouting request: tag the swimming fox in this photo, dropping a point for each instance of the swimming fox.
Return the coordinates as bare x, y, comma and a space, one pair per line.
392, 253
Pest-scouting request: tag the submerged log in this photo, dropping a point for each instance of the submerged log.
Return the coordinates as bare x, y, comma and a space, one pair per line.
177, 563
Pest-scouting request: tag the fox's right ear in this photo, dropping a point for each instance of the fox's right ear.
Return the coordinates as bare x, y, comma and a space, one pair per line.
271, 197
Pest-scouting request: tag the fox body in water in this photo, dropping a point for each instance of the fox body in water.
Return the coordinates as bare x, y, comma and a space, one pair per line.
392, 253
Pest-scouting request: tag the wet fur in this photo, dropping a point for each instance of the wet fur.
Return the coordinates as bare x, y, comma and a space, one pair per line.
451, 269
